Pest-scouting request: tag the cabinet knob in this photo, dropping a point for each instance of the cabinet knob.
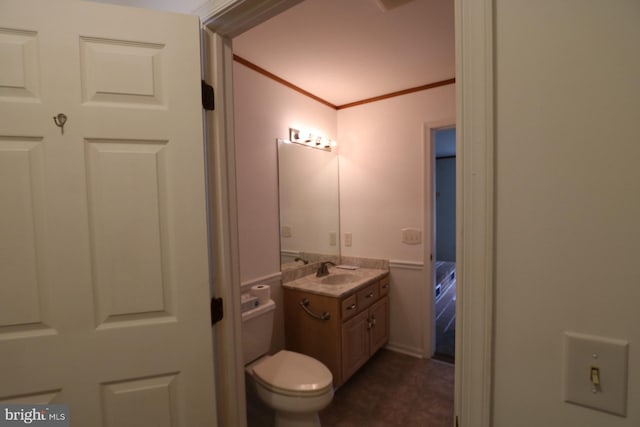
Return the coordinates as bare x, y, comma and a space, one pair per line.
352, 307
370, 295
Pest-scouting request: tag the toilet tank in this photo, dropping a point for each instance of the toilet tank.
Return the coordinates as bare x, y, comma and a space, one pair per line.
257, 328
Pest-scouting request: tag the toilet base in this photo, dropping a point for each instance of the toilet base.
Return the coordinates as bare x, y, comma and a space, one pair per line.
288, 419
292, 410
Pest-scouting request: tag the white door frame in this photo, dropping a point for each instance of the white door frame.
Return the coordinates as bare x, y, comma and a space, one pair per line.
474, 212
222, 21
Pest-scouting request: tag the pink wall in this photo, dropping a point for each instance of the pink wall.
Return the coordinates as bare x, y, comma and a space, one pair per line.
382, 170
264, 110
382, 191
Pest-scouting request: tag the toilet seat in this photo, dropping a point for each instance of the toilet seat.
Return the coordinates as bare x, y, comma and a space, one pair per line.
293, 374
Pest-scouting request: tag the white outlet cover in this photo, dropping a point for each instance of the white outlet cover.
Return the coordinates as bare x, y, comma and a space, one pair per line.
610, 356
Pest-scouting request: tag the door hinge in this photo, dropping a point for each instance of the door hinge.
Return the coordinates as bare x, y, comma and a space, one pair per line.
216, 310
208, 100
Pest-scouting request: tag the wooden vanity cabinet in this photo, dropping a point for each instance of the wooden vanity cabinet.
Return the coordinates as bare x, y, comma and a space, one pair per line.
357, 326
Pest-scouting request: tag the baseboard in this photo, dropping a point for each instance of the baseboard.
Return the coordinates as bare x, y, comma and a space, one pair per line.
409, 351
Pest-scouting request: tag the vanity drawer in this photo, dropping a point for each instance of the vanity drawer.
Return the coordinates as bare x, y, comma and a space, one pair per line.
349, 307
384, 285
367, 296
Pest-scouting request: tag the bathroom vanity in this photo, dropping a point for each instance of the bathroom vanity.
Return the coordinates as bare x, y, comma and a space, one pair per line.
341, 319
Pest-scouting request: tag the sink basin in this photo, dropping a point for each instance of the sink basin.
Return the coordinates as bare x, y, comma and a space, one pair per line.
339, 279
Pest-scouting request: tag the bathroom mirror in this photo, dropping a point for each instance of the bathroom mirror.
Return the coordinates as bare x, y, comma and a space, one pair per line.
309, 203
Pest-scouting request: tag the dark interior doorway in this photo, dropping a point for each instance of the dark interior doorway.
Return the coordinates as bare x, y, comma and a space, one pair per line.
445, 243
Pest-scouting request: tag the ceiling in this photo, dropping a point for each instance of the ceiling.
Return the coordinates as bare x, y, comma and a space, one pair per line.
345, 51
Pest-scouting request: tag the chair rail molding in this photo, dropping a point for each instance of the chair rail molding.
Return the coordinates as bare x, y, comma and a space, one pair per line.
406, 265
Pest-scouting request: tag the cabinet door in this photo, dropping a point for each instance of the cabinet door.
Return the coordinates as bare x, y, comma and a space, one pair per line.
355, 344
379, 318
308, 335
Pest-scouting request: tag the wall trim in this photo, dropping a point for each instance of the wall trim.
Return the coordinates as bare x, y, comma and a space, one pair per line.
230, 18
223, 231
406, 265
403, 349
260, 70
399, 93
298, 89
475, 239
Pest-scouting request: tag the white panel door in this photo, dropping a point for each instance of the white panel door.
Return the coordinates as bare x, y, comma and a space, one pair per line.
103, 258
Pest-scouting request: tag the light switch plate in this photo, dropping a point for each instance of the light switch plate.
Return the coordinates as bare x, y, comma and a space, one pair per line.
610, 357
333, 238
411, 236
348, 239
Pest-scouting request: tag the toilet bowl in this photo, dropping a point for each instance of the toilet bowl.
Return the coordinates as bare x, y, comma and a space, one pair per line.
294, 385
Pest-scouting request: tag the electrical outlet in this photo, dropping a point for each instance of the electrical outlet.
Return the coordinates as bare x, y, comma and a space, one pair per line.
348, 240
595, 372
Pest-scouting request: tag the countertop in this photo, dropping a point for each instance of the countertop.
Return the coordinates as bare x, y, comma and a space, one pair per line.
311, 283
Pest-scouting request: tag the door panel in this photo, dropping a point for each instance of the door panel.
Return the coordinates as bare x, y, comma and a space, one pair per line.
355, 344
21, 221
125, 72
149, 401
104, 279
20, 71
128, 218
379, 314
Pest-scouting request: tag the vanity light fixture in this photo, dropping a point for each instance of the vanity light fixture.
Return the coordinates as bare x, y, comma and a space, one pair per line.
309, 139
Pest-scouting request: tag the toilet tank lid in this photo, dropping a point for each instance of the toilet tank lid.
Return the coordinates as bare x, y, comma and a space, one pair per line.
259, 310
292, 371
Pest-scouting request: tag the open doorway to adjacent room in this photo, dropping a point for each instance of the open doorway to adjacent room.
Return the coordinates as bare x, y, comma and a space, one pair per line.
444, 277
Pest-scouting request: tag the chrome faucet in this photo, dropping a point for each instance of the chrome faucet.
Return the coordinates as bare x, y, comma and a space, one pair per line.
323, 270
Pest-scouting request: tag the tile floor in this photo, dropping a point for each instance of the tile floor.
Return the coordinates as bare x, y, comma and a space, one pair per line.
392, 389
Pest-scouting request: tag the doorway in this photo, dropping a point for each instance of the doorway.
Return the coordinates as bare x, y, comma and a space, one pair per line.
444, 277
474, 54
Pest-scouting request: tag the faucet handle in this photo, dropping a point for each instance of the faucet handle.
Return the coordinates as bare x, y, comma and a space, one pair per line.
323, 270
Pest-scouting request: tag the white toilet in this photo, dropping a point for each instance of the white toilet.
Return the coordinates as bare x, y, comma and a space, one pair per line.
296, 386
